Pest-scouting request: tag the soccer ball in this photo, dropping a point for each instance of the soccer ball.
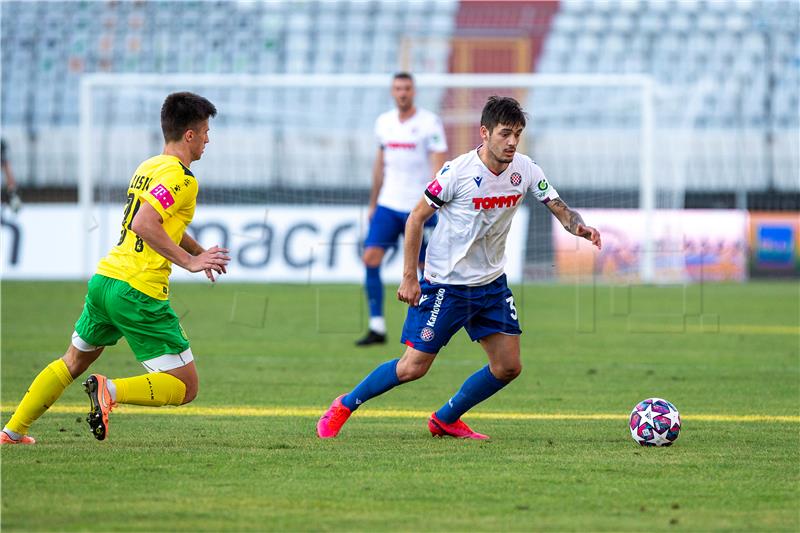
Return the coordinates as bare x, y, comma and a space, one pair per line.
655, 422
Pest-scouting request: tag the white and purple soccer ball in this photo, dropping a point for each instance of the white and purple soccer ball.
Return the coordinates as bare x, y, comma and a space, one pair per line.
655, 422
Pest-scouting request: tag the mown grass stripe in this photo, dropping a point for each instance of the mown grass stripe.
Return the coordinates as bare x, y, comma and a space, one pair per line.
313, 412
744, 329
735, 329
753, 329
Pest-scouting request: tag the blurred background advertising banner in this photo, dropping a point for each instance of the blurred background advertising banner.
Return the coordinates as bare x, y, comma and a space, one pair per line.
774, 243
687, 246
276, 243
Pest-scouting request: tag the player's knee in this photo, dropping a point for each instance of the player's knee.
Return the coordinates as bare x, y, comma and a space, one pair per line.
507, 372
78, 361
192, 387
191, 394
189, 397
411, 370
373, 257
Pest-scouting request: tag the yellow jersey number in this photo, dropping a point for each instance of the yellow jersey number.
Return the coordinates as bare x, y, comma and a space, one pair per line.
127, 221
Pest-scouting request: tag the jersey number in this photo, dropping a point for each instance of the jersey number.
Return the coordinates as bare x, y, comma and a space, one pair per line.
127, 220
510, 301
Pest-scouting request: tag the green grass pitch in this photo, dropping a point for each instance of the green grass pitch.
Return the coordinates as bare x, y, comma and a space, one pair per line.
244, 455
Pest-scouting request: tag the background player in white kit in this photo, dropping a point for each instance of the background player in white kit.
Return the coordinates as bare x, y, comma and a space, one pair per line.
464, 285
411, 149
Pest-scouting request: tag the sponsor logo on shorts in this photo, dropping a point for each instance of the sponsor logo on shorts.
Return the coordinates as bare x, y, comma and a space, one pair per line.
516, 179
426, 334
493, 202
437, 305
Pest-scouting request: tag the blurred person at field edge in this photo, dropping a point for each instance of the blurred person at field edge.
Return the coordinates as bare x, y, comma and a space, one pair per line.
129, 293
411, 148
464, 284
14, 200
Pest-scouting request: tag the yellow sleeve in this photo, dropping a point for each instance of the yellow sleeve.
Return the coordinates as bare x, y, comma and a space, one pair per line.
172, 191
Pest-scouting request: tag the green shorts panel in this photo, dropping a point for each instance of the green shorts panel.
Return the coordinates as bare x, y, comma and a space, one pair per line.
114, 309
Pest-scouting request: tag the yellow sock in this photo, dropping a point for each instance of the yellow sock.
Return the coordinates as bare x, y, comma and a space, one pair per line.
43, 392
155, 389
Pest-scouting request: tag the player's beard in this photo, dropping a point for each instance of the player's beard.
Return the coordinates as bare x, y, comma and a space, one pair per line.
501, 156
404, 104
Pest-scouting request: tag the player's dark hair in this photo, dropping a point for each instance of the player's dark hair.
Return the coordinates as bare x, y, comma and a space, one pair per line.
403, 76
502, 110
182, 111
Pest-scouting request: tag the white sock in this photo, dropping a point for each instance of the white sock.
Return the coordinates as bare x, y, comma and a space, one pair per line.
13, 434
377, 324
112, 390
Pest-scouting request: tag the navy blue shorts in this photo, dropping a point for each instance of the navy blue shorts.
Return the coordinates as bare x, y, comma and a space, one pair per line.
387, 225
445, 309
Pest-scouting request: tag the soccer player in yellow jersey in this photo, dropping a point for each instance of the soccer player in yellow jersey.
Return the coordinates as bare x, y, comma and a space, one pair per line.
129, 294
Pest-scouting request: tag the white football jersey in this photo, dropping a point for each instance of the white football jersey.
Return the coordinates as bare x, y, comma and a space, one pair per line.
476, 207
406, 150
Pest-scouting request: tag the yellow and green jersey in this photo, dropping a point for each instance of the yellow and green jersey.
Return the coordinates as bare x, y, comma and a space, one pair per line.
171, 188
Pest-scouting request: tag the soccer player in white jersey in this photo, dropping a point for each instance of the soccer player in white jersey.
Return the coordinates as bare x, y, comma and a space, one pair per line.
476, 196
411, 148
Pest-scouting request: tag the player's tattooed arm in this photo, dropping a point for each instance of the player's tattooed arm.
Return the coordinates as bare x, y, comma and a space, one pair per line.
573, 221
569, 218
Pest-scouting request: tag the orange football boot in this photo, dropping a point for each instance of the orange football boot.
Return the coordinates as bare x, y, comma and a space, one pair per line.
101, 405
5, 438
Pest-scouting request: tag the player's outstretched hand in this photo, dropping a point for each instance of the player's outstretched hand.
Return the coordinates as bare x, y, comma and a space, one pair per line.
409, 291
215, 259
590, 234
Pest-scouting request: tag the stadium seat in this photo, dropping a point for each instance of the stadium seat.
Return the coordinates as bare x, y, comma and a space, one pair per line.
46, 47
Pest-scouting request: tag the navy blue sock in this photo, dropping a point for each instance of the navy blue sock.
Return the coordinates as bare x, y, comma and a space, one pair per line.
475, 389
374, 291
380, 380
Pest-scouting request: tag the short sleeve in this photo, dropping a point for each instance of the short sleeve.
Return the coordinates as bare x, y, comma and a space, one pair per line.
441, 189
173, 190
436, 140
540, 186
